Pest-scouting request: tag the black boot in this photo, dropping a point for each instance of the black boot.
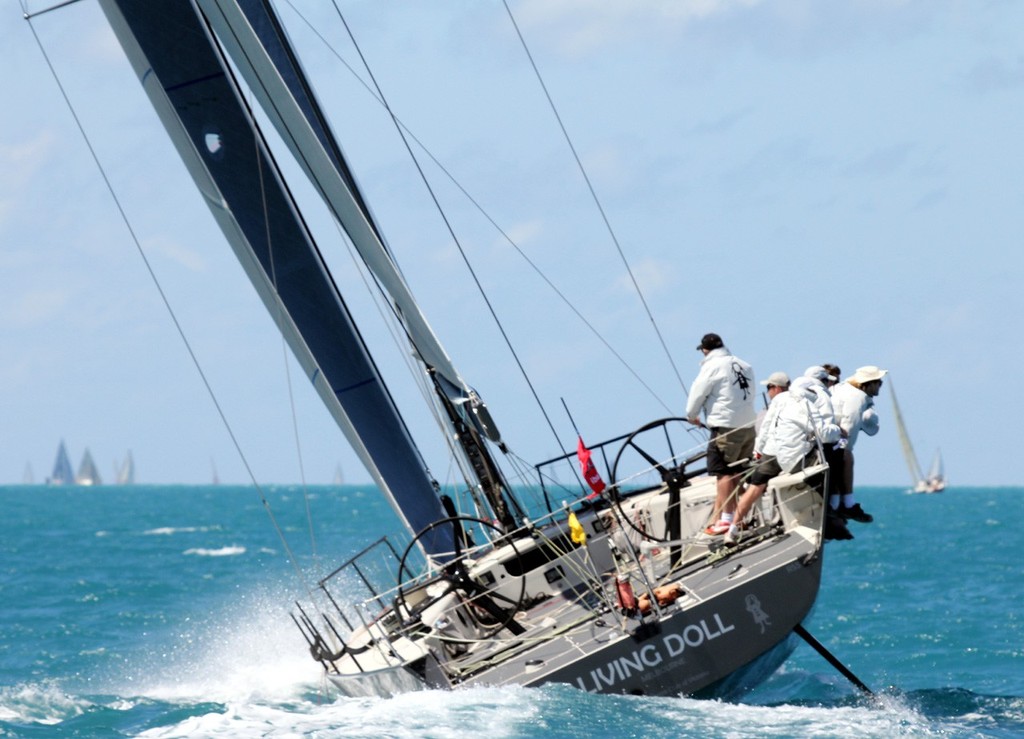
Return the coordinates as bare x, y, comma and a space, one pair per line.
855, 513
835, 527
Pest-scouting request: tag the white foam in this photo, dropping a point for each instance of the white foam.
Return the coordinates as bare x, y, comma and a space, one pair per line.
42, 703
492, 712
230, 551
170, 530
885, 716
250, 650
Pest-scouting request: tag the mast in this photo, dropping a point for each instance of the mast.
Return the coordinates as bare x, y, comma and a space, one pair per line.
257, 43
191, 87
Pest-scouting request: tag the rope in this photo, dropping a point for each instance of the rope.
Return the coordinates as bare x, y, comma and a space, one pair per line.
597, 200
483, 212
451, 231
163, 296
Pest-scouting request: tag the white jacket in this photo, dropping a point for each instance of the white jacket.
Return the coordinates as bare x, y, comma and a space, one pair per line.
822, 399
723, 390
855, 412
793, 427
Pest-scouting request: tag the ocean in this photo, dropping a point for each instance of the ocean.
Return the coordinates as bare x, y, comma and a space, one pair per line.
162, 611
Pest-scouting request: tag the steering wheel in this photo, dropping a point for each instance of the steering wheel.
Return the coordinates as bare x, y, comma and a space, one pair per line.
673, 477
457, 579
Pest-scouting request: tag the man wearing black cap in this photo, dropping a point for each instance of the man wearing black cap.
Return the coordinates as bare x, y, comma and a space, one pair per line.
724, 392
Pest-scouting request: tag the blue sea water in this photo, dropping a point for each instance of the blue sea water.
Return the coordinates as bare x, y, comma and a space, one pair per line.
163, 612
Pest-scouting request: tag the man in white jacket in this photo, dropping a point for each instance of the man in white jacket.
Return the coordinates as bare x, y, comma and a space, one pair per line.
792, 429
853, 402
724, 393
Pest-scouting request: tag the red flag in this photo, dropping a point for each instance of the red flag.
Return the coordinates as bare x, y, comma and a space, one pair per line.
590, 473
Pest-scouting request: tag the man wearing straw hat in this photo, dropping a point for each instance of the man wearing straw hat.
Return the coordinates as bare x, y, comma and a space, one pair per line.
853, 402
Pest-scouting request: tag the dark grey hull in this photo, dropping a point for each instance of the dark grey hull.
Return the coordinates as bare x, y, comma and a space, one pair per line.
693, 650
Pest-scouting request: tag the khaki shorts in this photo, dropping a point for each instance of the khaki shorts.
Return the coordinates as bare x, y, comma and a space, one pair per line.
727, 447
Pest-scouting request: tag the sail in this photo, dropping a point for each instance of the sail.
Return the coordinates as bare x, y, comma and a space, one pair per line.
258, 45
936, 471
192, 89
87, 472
256, 42
126, 473
936, 480
62, 474
908, 448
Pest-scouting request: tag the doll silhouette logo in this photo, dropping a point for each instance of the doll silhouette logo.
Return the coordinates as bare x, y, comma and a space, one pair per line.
740, 379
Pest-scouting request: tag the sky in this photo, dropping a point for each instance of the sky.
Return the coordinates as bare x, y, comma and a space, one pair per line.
815, 181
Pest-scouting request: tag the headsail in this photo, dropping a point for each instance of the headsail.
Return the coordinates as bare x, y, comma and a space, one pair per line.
908, 448
191, 87
258, 45
126, 472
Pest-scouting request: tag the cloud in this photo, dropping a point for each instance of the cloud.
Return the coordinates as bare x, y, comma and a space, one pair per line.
994, 75
882, 161
524, 233
20, 161
583, 26
170, 249
652, 275
34, 307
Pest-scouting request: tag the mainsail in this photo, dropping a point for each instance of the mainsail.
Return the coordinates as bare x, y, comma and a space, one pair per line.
62, 474
87, 472
191, 87
258, 45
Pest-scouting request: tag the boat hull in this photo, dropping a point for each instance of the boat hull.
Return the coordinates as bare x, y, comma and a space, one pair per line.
688, 651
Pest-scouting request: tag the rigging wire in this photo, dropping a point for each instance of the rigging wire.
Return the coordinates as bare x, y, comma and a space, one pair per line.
482, 211
597, 200
167, 304
284, 343
447, 223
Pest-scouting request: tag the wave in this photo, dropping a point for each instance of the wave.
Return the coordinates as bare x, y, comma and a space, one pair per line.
247, 650
170, 530
556, 712
39, 703
229, 551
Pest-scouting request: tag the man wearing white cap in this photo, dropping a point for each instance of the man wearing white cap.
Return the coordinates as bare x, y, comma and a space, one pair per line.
793, 428
853, 402
776, 384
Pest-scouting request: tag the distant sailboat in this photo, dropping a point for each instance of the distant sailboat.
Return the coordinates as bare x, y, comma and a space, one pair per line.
28, 478
126, 472
87, 472
935, 482
62, 474
338, 478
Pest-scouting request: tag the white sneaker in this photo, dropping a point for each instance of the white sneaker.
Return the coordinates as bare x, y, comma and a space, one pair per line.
732, 536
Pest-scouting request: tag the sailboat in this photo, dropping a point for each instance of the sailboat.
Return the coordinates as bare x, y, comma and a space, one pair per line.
62, 474
935, 480
614, 590
87, 472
